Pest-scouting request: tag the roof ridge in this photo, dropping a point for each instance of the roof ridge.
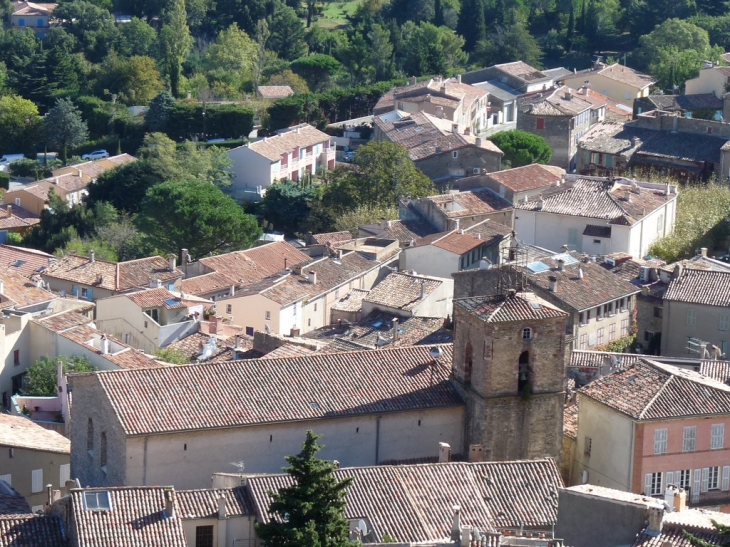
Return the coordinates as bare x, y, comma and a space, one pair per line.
657, 394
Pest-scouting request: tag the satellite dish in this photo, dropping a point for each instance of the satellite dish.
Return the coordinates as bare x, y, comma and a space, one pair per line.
267, 328
435, 352
362, 527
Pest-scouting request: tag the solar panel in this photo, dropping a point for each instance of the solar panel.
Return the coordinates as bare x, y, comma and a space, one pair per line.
537, 267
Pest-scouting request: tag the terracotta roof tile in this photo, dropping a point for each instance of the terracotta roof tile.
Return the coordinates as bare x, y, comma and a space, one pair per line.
475, 202
402, 291
62, 321
33, 8
32, 531
570, 418
155, 298
21, 432
121, 355
204, 503
528, 177
19, 217
300, 136
597, 231
709, 288
18, 291
192, 345
24, 261
275, 91
137, 519
521, 70
561, 101
164, 399
287, 351
206, 284
244, 267
627, 75
522, 306
352, 301
650, 390
332, 238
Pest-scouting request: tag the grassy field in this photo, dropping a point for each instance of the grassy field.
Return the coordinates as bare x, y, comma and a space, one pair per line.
334, 14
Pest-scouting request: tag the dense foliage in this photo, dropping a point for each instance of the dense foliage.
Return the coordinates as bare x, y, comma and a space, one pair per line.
312, 510
522, 148
41, 379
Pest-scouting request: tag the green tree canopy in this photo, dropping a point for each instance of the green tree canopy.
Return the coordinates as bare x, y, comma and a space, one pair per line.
20, 126
287, 205
522, 148
42, 377
136, 38
722, 531
317, 70
287, 37
195, 215
311, 511
133, 80
175, 42
158, 113
65, 127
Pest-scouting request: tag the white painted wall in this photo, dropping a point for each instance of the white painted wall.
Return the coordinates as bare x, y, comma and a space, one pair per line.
709, 80
250, 169
14, 335
430, 260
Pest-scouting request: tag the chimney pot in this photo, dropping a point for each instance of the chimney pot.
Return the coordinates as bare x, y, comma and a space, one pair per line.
444, 452
455, 128
9, 210
222, 512
553, 283
703, 251
172, 259
561, 264
232, 291
169, 503
92, 256
312, 277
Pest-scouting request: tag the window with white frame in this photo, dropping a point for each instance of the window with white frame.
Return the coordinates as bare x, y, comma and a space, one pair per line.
624, 327
683, 478
36, 481
717, 436
660, 441
691, 317
724, 321
689, 438
583, 341
612, 332
527, 333
654, 484
599, 336
713, 478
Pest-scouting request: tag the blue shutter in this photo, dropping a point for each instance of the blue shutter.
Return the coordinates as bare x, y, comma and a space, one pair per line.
76, 291
89, 295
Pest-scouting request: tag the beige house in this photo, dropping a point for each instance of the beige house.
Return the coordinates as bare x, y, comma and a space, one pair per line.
618, 82
17, 219
518, 183
151, 318
89, 278
258, 411
34, 16
696, 314
711, 79
31, 458
408, 294
461, 210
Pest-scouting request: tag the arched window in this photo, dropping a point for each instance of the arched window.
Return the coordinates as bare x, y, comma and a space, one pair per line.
90, 435
523, 372
468, 360
102, 449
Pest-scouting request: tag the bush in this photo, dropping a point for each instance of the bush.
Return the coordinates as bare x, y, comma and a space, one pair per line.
4, 180
186, 121
36, 169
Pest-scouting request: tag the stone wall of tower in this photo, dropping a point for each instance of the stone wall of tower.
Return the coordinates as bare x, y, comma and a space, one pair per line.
506, 421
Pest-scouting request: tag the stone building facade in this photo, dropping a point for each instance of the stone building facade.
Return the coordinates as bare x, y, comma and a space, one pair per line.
509, 364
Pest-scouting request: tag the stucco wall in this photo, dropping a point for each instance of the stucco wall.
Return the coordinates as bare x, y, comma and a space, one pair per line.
676, 330
20, 468
249, 169
234, 530
188, 460
14, 335
444, 165
709, 80
611, 453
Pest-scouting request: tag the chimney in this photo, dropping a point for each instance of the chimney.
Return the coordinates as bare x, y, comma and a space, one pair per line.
104, 344
444, 453
553, 283
478, 142
561, 264
169, 503
395, 329
184, 256
222, 512
456, 525
383, 223
540, 203
312, 277
568, 94
455, 128
155, 283
635, 142
656, 516
466, 535
213, 325
476, 453
9, 211
232, 291
92, 256
677, 273
703, 251
237, 341
580, 273
295, 332
467, 131
440, 112
2, 287
458, 78
423, 289
413, 80
172, 260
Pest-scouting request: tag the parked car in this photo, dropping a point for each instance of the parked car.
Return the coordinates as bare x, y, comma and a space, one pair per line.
348, 157
96, 155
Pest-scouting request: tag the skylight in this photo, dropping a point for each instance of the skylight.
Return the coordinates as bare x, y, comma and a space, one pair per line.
97, 500
537, 267
18, 263
536, 306
172, 302
567, 258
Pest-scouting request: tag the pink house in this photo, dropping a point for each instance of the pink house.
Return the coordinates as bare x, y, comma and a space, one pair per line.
653, 425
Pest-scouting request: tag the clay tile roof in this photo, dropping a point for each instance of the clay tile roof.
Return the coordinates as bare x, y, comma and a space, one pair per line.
206, 284
402, 291
521, 70
718, 370
528, 177
191, 346
597, 286
244, 267
11, 502
288, 350
19, 217
674, 537
570, 418
275, 91
19, 291
163, 400
301, 136
707, 287
414, 503
332, 237
33, 8
627, 75
38, 190
137, 519
139, 272
155, 298
650, 390
562, 101
24, 261
20, 432
352, 301
68, 182
520, 307
62, 321
121, 355
201, 504
470, 203
32, 531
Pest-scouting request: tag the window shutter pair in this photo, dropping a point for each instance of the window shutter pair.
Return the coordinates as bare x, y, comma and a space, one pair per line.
647, 485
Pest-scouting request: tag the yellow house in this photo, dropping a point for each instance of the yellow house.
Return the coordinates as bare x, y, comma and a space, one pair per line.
618, 82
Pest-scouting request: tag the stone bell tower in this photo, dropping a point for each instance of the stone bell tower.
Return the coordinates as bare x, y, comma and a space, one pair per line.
509, 364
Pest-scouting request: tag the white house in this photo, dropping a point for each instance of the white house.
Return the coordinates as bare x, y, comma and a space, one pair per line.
598, 216
291, 154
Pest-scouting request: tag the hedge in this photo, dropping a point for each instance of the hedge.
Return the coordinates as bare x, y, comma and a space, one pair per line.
187, 122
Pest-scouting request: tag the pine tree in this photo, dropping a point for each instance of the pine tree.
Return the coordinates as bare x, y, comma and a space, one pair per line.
582, 22
571, 27
311, 511
438, 13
